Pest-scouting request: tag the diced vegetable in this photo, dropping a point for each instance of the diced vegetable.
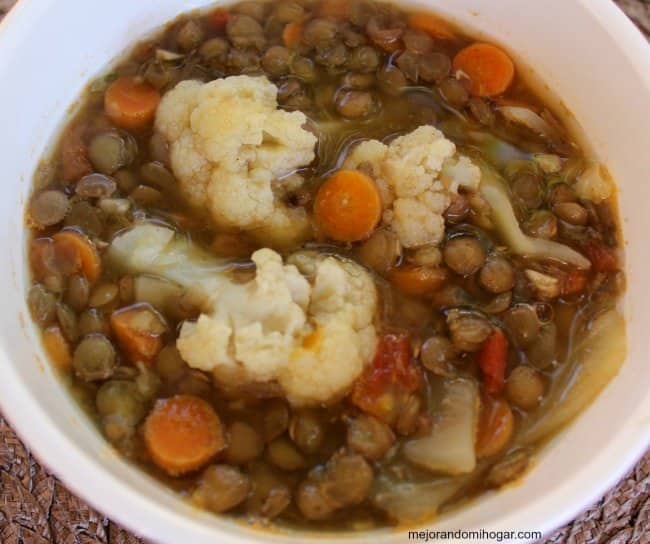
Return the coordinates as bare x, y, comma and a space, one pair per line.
432, 25
348, 206
449, 448
57, 348
74, 243
219, 18
603, 259
74, 154
599, 350
131, 103
292, 34
384, 385
182, 434
489, 69
139, 329
496, 426
492, 359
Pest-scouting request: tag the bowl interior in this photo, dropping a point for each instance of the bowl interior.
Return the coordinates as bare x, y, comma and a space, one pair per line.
586, 52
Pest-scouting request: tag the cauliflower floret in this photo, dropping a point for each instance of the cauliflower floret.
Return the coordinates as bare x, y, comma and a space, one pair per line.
416, 174
314, 340
229, 144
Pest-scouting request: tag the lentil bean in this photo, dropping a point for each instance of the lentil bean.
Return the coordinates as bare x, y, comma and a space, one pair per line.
526, 188
499, 303
352, 38
497, 275
511, 467
95, 186
190, 35
369, 437
464, 255
312, 502
347, 479
409, 63
170, 365
276, 420
244, 31
48, 208
319, 31
332, 56
450, 296
94, 358
92, 321
434, 67
363, 59
282, 454
147, 381
256, 10
453, 92
103, 294
112, 150
245, 444
468, 330
156, 175
67, 321
523, 323
126, 180
525, 387
481, 111
276, 502
121, 408
458, 209
427, 256
560, 192
42, 304
86, 217
146, 196
288, 12
437, 355
572, 213
417, 41
542, 224
269, 495
391, 80
276, 60
215, 50
221, 488
307, 432
354, 104
195, 383
541, 352
303, 68
243, 61
353, 80
408, 417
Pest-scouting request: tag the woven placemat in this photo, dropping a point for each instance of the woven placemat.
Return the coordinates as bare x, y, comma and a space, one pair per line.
36, 508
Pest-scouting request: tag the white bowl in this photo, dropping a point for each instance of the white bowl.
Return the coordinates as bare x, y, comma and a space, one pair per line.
585, 50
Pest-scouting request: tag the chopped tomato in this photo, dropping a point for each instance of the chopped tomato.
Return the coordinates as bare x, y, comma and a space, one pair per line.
389, 380
603, 259
492, 359
573, 283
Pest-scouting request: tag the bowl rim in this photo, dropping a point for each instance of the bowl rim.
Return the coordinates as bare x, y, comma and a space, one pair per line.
120, 499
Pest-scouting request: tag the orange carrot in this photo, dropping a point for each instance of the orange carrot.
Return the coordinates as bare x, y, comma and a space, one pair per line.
418, 280
292, 34
348, 206
131, 102
218, 19
496, 424
492, 359
57, 348
139, 330
489, 69
432, 25
74, 154
573, 282
76, 248
338, 9
603, 259
183, 433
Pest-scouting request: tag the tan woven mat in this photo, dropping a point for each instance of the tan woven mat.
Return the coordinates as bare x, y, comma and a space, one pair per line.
35, 508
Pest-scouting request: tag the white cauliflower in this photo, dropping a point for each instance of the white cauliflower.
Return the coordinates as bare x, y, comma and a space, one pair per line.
416, 174
307, 325
230, 148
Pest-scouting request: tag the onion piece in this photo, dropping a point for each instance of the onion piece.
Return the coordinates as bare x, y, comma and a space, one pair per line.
599, 351
529, 119
449, 448
503, 216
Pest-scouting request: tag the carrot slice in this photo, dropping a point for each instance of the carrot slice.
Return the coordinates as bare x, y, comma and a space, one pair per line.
131, 102
432, 25
489, 69
57, 348
492, 359
183, 433
348, 206
218, 19
73, 246
339, 9
418, 280
74, 154
292, 34
139, 330
496, 424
